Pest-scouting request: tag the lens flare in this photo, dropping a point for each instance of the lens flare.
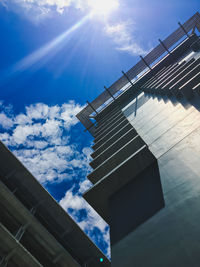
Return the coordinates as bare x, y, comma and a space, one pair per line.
52, 47
40, 56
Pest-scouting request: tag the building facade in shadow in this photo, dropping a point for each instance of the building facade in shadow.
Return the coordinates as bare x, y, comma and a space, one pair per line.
146, 158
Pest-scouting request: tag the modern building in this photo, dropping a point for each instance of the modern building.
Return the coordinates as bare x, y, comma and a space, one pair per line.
34, 229
146, 159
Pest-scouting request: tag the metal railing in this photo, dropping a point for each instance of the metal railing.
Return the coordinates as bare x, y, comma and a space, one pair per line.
148, 60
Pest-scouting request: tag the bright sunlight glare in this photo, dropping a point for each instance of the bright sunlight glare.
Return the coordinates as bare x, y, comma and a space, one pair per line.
103, 7
54, 45
43, 53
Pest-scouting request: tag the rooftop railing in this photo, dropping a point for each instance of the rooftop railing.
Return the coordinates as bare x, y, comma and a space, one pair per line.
144, 64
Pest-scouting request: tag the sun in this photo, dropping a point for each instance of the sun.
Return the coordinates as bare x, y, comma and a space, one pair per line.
103, 7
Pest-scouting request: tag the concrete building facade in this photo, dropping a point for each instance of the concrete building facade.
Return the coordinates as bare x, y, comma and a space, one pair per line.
146, 171
34, 229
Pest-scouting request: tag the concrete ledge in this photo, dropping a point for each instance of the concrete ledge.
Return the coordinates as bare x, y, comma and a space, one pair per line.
24, 216
196, 46
146, 84
178, 75
196, 89
103, 119
183, 77
157, 76
31, 193
20, 255
167, 72
186, 89
114, 123
114, 160
112, 139
110, 133
172, 75
113, 148
106, 125
172, 82
100, 193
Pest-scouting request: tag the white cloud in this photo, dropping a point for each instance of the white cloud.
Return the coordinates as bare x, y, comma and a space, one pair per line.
47, 165
38, 10
40, 137
5, 121
38, 111
21, 133
84, 186
22, 119
33, 10
68, 114
122, 34
76, 203
5, 138
72, 201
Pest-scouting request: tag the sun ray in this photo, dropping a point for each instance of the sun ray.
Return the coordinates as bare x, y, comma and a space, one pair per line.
102, 7
55, 44
43, 54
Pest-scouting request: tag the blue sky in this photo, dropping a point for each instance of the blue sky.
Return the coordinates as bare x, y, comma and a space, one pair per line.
55, 57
